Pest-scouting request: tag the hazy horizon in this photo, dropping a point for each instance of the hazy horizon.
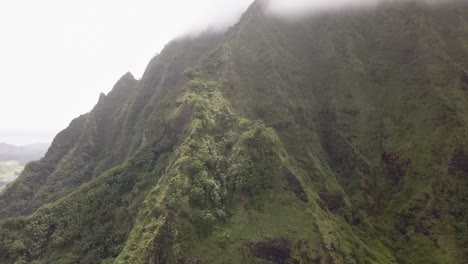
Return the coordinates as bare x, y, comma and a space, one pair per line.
57, 57
22, 138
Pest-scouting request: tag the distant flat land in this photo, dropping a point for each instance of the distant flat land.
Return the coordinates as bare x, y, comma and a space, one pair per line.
9, 170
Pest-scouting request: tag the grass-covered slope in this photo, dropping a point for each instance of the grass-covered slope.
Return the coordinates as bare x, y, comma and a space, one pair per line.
338, 138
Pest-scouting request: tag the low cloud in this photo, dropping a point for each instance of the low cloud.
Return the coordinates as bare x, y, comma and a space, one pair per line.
214, 15
305, 6
291, 8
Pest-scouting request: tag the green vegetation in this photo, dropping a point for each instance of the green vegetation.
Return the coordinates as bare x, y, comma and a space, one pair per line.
333, 139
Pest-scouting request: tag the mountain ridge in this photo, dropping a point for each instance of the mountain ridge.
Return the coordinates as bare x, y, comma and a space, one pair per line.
265, 145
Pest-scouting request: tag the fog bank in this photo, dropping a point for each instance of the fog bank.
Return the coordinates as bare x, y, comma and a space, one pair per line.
292, 8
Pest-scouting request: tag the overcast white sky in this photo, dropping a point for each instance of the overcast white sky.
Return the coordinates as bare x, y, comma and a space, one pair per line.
56, 56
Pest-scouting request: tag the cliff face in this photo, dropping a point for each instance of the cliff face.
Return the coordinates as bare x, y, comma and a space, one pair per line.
337, 138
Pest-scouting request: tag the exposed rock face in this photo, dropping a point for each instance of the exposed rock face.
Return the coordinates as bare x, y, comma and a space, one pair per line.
463, 79
395, 165
272, 250
459, 161
295, 186
332, 202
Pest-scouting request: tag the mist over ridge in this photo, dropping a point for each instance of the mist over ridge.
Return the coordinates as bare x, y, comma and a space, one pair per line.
293, 8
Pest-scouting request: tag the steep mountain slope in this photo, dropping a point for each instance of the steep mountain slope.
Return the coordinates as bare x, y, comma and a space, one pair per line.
337, 138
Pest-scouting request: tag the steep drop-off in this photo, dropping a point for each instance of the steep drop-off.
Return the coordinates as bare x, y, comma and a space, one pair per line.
336, 138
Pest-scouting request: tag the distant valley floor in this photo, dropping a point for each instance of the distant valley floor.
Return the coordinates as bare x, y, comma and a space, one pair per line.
9, 171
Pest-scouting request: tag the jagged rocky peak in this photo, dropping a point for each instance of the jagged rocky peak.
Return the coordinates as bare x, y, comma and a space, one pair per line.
126, 80
121, 90
125, 84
